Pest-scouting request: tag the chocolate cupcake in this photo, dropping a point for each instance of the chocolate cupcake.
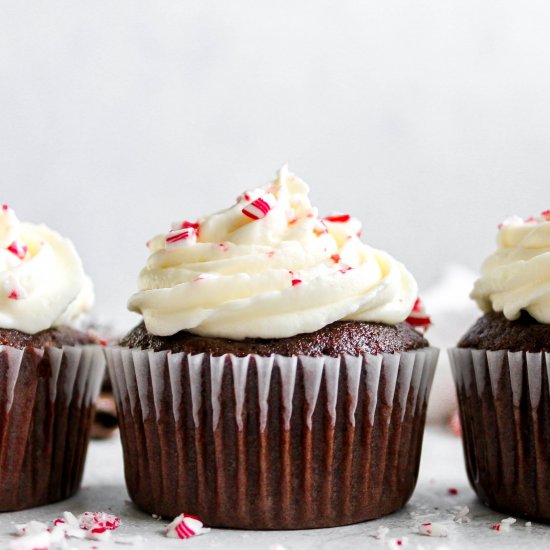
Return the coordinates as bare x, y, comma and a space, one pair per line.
501, 368
49, 370
273, 382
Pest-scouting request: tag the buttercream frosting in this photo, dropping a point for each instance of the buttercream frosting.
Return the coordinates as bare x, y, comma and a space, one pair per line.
268, 267
517, 276
42, 281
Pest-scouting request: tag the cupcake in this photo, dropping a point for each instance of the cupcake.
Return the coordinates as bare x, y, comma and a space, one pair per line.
273, 382
501, 368
49, 370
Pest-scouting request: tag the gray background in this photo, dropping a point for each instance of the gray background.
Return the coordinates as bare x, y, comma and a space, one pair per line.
429, 120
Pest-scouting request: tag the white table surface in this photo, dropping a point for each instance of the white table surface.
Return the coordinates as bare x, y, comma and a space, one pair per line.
442, 468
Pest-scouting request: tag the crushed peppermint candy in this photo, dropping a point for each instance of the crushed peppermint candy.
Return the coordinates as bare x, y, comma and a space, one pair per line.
185, 527
37, 535
418, 317
338, 218
186, 225
13, 288
19, 249
295, 278
504, 525
516, 220
433, 530
462, 515
98, 522
181, 237
259, 208
394, 544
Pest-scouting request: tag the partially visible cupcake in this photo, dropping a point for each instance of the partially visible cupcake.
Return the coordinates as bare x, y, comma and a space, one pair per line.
273, 382
501, 368
50, 370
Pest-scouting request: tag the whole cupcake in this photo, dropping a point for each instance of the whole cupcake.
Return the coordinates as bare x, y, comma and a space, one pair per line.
273, 382
501, 368
49, 370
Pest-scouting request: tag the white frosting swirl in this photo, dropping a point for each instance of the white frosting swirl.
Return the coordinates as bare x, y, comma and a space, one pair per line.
517, 276
286, 273
42, 281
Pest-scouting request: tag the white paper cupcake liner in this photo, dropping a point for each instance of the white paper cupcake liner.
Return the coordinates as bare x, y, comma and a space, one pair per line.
504, 400
46, 407
271, 442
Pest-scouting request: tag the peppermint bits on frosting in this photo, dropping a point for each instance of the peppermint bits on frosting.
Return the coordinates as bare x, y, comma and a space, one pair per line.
338, 218
295, 278
185, 527
269, 241
181, 237
13, 289
18, 248
260, 208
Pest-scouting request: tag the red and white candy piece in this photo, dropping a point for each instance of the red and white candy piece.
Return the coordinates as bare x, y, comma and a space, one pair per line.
186, 225
546, 215
397, 544
260, 207
181, 237
504, 525
295, 278
90, 521
13, 288
418, 317
433, 530
337, 218
185, 527
98, 524
18, 248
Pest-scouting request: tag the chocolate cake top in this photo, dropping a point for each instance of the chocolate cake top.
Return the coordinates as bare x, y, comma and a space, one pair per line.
55, 337
341, 337
494, 332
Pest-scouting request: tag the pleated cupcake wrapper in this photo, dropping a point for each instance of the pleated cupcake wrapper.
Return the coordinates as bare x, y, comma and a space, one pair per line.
504, 400
46, 406
271, 442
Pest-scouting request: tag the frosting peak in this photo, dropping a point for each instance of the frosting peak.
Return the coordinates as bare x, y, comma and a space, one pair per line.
42, 282
268, 267
517, 276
